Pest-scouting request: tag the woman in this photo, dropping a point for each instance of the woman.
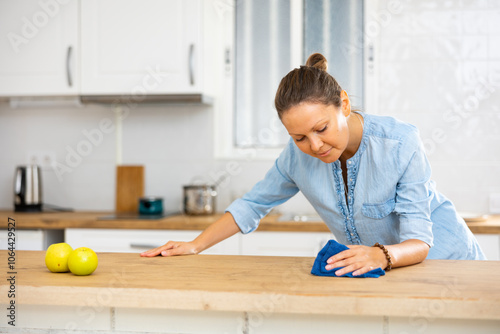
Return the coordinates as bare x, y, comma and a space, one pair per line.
367, 176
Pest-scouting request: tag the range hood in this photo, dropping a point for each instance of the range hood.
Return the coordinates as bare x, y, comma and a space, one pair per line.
78, 100
157, 98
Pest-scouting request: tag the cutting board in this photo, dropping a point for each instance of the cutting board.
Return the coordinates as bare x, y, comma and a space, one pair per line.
129, 188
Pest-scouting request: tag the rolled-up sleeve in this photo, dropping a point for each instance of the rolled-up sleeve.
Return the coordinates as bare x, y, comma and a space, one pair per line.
276, 188
413, 195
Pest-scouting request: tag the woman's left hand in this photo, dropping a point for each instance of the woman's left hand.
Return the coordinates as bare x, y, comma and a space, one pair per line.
358, 260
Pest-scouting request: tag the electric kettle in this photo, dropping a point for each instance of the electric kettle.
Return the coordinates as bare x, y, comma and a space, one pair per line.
28, 189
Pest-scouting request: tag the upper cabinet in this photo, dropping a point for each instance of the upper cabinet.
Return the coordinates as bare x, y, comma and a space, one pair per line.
39, 48
138, 47
104, 50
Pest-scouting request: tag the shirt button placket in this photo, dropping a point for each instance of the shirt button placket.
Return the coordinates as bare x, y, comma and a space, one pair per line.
352, 171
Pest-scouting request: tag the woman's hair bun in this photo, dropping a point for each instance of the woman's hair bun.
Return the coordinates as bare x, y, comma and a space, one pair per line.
317, 60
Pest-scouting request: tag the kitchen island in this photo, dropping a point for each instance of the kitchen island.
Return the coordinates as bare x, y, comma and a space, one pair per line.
251, 294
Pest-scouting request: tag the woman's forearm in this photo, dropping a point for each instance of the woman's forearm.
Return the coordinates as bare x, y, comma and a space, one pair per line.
361, 259
222, 229
408, 252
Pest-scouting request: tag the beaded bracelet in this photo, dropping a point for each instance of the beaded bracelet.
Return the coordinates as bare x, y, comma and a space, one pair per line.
387, 256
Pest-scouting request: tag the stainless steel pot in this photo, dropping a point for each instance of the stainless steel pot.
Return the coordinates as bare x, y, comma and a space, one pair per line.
199, 199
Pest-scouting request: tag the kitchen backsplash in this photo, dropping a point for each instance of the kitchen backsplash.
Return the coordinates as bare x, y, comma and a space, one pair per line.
439, 68
173, 143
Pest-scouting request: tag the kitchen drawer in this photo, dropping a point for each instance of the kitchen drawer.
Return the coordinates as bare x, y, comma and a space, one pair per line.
284, 243
32, 239
137, 241
24, 240
490, 244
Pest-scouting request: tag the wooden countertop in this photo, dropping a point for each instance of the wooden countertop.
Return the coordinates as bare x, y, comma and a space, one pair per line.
62, 220
434, 288
491, 225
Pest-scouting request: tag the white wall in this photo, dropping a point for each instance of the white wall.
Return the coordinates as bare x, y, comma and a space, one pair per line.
89, 185
434, 58
439, 68
174, 143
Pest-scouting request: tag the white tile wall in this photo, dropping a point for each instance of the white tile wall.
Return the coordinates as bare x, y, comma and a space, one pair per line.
178, 321
174, 143
438, 63
437, 58
70, 318
264, 323
86, 186
422, 323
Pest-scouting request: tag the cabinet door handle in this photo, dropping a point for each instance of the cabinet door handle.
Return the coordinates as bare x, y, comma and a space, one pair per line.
148, 246
69, 75
191, 65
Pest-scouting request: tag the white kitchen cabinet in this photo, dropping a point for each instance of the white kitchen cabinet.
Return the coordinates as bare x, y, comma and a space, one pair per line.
39, 48
284, 243
32, 239
136, 47
137, 241
490, 244
24, 240
256, 243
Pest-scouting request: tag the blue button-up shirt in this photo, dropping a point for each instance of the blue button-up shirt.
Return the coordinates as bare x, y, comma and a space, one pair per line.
390, 196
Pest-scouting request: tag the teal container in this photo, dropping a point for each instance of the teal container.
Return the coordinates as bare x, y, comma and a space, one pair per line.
150, 205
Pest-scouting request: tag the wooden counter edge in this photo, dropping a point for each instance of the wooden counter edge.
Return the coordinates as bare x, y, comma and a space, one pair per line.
177, 222
65, 220
120, 297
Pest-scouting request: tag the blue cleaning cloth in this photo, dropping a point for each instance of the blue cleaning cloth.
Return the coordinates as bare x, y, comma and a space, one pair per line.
330, 249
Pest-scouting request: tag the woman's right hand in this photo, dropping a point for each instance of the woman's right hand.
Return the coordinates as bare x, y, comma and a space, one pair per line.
223, 228
172, 248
